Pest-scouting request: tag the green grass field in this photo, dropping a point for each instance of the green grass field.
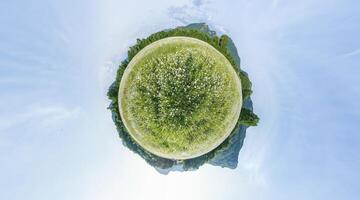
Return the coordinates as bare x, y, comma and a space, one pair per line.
179, 98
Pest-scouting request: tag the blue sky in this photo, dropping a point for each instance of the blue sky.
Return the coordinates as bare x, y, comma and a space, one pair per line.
57, 59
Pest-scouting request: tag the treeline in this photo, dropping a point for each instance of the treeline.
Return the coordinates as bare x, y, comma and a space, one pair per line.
220, 43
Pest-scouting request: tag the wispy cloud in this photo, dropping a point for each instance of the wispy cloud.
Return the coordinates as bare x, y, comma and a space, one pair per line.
189, 13
351, 53
41, 116
275, 3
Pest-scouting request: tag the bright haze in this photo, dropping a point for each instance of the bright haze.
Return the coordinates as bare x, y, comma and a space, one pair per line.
58, 141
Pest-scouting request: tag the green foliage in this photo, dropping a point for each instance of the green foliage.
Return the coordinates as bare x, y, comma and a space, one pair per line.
245, 84
223, 42
248, 118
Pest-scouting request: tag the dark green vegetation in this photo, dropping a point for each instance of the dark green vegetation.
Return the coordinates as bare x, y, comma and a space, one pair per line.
248, 118
229, 149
